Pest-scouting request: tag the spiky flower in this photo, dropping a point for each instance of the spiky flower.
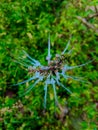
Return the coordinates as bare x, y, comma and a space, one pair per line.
49, 74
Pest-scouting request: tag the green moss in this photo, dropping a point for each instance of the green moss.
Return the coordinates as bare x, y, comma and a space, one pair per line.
25, 25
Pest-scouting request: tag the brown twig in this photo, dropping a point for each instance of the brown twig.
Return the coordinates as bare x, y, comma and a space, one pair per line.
96, 9
89, 25
92, 16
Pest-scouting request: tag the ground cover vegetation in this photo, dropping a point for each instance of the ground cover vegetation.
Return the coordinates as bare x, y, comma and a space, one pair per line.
25, 27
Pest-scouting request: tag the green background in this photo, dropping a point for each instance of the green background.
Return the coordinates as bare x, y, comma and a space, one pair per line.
25, 25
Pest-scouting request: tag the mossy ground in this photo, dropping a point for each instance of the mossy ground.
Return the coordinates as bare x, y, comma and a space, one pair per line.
25, 25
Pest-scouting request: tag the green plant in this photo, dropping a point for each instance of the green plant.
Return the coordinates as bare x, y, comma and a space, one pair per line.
50, 74
25, 25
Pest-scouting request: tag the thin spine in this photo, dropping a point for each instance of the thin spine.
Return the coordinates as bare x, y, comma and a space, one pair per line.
30, 88
66, 47
45, 88
32, 78
57, 78
45, 96
72, 77
54, 89
27, 61
60, 84
36, 62
49, 55
73, 67
23, 64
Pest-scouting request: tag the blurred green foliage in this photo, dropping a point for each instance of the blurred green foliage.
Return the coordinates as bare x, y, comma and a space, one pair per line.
25, 25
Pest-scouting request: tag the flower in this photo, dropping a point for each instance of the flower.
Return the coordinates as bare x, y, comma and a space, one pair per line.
49, 74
